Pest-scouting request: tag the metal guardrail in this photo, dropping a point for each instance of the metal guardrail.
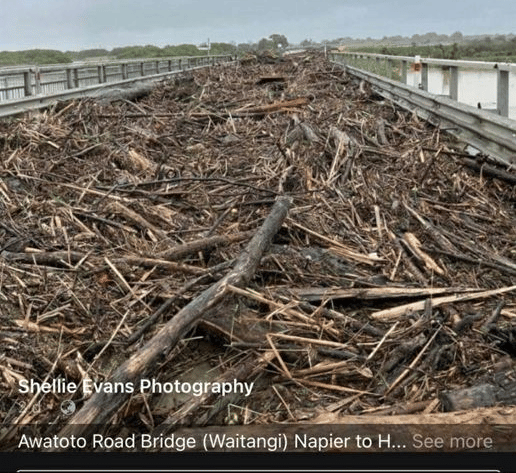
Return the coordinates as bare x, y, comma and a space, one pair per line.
400, 64
490, 133
24, 88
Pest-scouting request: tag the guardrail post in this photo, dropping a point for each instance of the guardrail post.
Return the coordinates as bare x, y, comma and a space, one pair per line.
69, 78
390, 71
169, 65
502, 93
101, 73
27, 83
157, 67
142, 68
404, 68
424, 76
454, 82
37, 80
125, 75
179, 65
6, 85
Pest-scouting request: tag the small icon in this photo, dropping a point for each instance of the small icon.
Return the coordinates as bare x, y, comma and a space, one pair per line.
68, 407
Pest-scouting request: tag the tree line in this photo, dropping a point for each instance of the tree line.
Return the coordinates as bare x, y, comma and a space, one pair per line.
454, 46
49, 56
497, 49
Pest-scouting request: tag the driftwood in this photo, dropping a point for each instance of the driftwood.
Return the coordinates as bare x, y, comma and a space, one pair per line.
329, 293
101, 406
500, 391
69, 259
54, 258
185, 414
415, 246
203, 244
162, 310
130, 93
489, 171
482, 429
415, 306
102, 245
284, 105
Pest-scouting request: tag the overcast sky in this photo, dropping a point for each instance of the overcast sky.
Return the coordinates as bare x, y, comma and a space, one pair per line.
82, 24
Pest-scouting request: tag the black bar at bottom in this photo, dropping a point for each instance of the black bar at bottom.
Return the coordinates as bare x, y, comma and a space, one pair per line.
382, 462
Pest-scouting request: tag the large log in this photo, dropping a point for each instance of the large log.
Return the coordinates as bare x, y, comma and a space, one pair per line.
487, 430
134, 92
101, 406
408, 433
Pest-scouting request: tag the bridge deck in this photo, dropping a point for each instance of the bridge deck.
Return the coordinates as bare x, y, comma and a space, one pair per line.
108, 211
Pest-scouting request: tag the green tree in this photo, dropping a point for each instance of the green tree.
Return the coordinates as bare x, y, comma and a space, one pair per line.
279, 40
457, 37
265, 44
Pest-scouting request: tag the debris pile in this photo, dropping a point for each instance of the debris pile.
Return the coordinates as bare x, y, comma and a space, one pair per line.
388, 283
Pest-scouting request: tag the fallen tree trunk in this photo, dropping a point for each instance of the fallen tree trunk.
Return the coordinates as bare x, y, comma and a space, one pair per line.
127, 93
101, 406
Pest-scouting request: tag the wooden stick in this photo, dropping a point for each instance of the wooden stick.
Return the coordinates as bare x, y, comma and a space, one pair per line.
204, 243
413, 364
420, 305
332, 387
330, 293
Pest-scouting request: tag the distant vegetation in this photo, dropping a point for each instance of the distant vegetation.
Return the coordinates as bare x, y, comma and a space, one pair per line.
33, 56
497, 49
500, 48
87, 53
133, 52
47, 56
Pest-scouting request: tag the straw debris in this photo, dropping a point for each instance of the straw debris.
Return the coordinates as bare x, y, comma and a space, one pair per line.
116, 215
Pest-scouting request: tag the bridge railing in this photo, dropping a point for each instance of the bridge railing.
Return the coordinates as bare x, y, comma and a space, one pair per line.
491, 133
18, 83
397, 68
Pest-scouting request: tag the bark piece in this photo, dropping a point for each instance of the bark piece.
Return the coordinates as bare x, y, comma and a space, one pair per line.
501, 391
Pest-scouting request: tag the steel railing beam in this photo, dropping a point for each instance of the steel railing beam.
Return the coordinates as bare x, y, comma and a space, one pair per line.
490, 133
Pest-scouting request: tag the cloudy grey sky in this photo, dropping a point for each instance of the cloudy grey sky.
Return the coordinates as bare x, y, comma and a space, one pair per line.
81, 24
